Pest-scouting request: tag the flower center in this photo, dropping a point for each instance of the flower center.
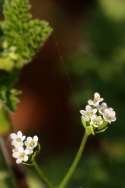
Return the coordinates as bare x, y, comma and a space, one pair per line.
18, 139
21, 155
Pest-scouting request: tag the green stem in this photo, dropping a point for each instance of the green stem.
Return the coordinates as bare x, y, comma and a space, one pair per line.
5, 126
41, 175
74, 164
10, 180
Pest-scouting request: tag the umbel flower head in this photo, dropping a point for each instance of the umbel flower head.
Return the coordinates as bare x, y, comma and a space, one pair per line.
97, 115
24, 148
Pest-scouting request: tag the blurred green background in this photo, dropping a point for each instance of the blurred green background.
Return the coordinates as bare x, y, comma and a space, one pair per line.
85, 54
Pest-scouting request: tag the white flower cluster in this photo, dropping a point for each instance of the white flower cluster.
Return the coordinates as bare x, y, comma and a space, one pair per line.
23, 146
97, 112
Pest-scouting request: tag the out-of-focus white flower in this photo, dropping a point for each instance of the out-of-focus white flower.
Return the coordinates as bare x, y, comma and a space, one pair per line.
109, 115
96, 121
97, 99
21, 155
88, 113
23, 147
31, 143
17, 139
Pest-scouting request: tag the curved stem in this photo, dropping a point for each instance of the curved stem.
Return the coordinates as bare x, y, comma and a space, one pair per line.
5, 128
11, 182
74, 164
41, 175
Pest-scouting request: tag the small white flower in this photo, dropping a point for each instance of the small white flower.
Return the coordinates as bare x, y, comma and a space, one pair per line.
21, 155
88, 113
102, 107
96, 121
109, 115
97, 115
31, 143
23, 147
97, 99
17, 139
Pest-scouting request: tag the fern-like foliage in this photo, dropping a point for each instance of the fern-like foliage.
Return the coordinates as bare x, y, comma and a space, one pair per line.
21, 37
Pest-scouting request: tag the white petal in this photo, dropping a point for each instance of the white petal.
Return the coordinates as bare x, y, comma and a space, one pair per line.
18, 161
15, 154
19, 133
20, 149
114, 118
82, 112
90, 102
35, 138
94, 111
28, 151
29, 138
110, 109
96, 95
25, 158
13, 135
104, 105
23, 138
14, 150
93, 117
88, 108
16, 144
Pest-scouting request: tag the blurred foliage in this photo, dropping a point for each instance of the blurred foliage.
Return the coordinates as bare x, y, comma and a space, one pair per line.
1, 3
20, 31
97, 169
6, 180
105, 169
114, 9
21, 37
4, 124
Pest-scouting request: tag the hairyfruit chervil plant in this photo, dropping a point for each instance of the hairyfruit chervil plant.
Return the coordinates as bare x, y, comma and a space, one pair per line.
20, 39
96, 118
